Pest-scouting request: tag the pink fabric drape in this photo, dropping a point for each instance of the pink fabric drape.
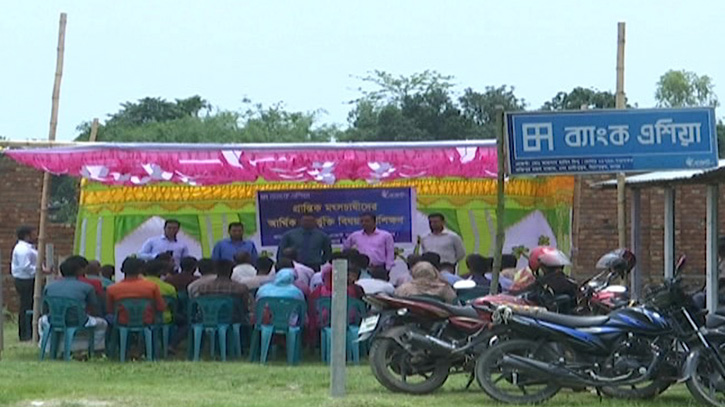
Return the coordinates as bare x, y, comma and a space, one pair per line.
138, 166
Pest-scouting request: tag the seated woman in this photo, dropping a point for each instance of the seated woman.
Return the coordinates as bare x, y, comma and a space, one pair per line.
325, 290
426, 280
283, 285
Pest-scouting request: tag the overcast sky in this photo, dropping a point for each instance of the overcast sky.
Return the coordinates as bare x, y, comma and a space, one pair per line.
307, 53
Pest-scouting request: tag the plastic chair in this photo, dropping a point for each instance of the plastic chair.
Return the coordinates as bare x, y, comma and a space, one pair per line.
65, 316
356, 311
135, 309
282, 316
165, 328
214, 315
464, 296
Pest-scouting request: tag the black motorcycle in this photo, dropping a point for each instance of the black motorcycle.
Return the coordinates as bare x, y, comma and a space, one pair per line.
652, 345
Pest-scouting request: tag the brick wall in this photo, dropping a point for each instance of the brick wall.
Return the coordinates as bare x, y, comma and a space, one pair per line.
20, 205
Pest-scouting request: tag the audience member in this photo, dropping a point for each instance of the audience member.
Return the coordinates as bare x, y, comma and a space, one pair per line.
478, 266
153, 271
108, 271
303, 274
69, 287
225, 286
377, 284
264, 274
426, 281
94, 272
448, 272
207, 269
508, 271
283, 285
243, 266
134, 286
316, 279
181, 280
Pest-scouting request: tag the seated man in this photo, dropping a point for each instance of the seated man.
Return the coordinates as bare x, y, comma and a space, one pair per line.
377, 284
448, 272
134, 286
70, 287
181, 280
303, 273
207, 269
243, 266
108, 271
224, 285
93, 272
264, 274
153, 272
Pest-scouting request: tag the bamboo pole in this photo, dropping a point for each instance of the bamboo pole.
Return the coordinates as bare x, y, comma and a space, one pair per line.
45, 193
500, 197
620, 104
2, 312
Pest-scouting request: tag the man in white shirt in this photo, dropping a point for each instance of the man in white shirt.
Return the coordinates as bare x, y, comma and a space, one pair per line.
377, 284
166, 243
442, 241
22, 267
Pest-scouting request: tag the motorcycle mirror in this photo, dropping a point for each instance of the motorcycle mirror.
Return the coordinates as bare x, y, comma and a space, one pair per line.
464, 284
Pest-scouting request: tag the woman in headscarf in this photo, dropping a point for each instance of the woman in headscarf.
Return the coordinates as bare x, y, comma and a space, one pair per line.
426, 280
283, 285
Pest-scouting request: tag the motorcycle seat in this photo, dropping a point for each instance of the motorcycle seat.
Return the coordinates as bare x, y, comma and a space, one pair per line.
461, 311
572, 321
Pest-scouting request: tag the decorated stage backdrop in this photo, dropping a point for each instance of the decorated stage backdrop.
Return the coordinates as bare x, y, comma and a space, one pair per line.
114, 221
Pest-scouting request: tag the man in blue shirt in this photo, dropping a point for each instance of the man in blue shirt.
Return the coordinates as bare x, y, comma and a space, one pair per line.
70, 287
166, 243
225, 249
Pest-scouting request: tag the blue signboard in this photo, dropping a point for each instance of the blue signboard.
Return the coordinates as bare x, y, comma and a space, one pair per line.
337, 211
601, 141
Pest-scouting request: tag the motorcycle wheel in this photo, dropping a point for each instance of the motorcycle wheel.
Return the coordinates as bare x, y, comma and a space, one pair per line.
706, 385
399, 371
508, 385
642, 391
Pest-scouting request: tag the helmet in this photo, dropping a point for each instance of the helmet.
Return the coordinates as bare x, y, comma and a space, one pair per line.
620, 260
547, 257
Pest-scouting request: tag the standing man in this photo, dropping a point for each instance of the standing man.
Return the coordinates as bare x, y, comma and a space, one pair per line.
375, 243
24, 260
442, 241
166, 243
225, 249
312, 245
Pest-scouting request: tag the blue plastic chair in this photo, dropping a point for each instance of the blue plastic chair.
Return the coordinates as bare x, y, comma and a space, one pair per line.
160, 327
135, 309
66, 316
214, 316
281, 316
356, 311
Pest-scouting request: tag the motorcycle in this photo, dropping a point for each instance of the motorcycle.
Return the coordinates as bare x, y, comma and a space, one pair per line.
656, 343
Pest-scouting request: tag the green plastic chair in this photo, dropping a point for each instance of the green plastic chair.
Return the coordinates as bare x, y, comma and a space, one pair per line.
214, 315
281, 316
160, 327
66, 316
356, 311
135, 309
464, 296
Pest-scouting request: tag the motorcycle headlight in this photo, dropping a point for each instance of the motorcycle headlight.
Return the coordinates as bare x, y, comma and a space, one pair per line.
402, 312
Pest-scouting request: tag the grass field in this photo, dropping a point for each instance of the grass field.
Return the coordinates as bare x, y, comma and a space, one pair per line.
24, 381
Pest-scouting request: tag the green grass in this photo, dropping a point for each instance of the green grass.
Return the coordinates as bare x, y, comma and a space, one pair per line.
24, 381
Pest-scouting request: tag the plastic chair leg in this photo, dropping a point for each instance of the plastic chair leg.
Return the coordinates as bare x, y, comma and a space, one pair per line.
47, 333
165, 333
237, 338
323, 345
223, 330
266, 340
198, 331
68, 335
354, 347
211, 333
91, 342
294, 335
254, 345
123, 340
148, 336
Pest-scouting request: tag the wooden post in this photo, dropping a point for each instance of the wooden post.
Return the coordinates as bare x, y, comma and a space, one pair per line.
500, 200
45, 193
620, 104
339, 328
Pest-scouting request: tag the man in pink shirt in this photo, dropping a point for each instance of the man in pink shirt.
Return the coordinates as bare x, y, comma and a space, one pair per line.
375, 243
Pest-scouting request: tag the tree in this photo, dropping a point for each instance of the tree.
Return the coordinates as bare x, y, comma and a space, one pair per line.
481, 107
685, 89
578, 97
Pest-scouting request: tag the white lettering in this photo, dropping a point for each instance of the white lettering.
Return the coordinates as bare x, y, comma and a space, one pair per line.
537, 133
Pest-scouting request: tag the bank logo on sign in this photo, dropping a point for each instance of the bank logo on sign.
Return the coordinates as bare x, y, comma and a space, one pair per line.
536, 134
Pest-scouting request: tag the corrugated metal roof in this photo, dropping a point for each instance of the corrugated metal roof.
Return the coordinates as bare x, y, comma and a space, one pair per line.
671, 177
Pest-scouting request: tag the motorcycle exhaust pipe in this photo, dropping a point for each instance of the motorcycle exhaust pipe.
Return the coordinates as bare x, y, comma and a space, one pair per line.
430, 343
548, 371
